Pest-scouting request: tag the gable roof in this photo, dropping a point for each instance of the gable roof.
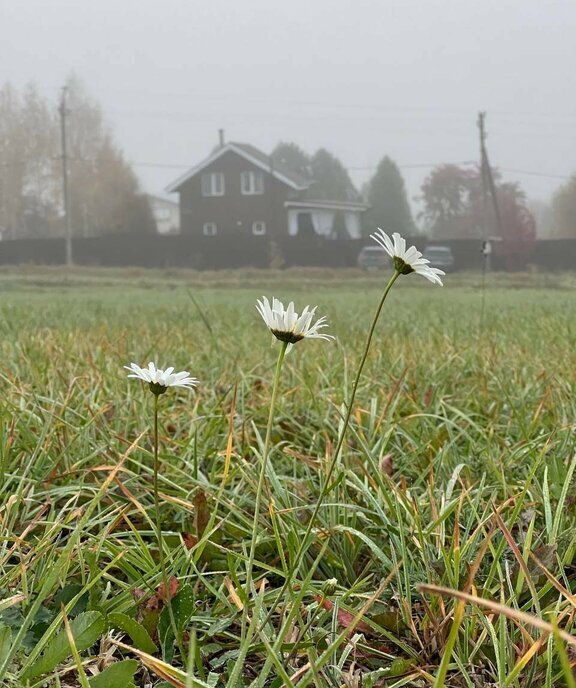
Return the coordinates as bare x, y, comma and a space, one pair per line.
253, 155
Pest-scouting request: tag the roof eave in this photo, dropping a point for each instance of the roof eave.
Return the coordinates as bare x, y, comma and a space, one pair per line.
177, 184
332, 205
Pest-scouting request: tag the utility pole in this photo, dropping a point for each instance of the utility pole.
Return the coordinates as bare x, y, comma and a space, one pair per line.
488, 187
63, 112
486, 246
488, 184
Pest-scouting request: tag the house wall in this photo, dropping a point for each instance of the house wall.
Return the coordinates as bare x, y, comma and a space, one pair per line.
234, 212
166, 215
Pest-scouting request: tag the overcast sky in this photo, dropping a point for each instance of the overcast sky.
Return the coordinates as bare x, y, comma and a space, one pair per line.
363, 78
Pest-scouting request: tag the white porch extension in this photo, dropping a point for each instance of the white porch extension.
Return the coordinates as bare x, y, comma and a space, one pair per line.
322, 214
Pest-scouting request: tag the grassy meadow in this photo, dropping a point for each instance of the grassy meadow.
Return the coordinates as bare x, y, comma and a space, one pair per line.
457, 473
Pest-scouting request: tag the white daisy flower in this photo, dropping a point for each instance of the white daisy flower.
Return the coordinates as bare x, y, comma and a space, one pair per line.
287, 326
406, 260
159, 380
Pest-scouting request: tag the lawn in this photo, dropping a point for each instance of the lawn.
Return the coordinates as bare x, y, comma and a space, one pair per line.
457, 472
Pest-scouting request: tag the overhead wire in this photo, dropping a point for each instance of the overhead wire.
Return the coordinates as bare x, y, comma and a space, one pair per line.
352, 168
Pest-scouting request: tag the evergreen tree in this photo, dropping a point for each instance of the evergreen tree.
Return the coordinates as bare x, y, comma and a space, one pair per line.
331, 179
389, 206
291, 155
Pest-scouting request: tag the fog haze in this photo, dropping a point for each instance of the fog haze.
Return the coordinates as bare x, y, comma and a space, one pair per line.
363, 79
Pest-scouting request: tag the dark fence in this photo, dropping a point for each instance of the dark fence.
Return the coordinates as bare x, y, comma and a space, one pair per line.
180, 251
554, 254
222, 252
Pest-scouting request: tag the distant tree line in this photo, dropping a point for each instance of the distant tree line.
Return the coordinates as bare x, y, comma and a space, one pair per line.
453, 200
104, 194
105, 197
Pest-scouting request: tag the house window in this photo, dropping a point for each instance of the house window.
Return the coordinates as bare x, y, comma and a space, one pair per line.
252, 183
258, 228
210, 229
213, 184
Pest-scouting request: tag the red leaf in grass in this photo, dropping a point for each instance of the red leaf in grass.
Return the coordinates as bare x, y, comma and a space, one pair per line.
172, 589
387, 465
189, 540
156, 602
345, 619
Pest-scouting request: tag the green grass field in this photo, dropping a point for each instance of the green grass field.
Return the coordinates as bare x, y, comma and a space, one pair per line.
457, 471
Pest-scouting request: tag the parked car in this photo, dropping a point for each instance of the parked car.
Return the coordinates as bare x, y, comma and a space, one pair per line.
373, 258
440, 257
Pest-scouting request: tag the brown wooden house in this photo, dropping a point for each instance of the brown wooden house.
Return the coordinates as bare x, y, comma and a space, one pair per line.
240, 191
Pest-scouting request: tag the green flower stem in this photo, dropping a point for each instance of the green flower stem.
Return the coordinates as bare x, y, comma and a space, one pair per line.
326, 488
160, 535
262, 476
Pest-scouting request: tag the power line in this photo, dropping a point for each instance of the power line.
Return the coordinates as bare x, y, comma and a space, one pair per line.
416, 165
360, 168
352, 169
400, 109
536, 174
364, 116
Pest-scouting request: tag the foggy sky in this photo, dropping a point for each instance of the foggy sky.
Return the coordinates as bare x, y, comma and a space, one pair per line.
363, 78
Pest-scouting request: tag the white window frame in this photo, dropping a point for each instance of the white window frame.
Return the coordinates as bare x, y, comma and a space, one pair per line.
210, 229
213, 184
249, 185
259, 228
